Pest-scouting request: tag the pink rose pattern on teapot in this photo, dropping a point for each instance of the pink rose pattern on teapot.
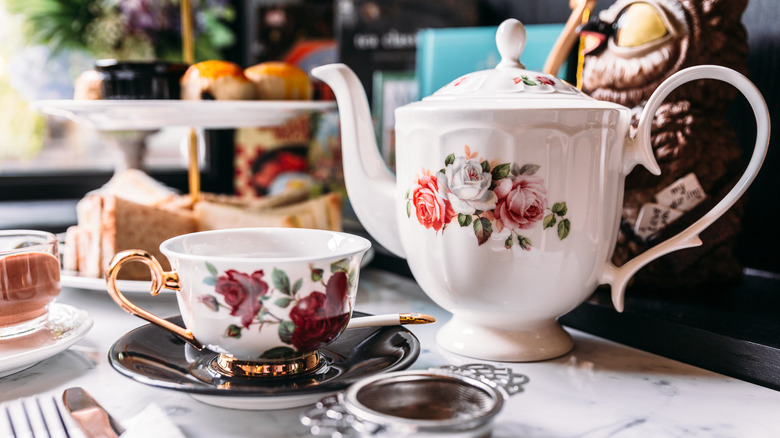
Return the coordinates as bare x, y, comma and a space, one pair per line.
315, 317
488, 196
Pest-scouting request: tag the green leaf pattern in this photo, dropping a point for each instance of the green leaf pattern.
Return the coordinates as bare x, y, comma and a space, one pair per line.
281, 282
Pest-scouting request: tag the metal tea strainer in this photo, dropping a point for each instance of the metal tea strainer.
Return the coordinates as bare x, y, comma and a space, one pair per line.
443, 401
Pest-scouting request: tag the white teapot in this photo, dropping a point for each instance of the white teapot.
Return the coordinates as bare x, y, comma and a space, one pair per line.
506, 199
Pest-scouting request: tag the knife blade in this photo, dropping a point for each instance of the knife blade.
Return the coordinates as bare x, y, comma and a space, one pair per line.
94, 421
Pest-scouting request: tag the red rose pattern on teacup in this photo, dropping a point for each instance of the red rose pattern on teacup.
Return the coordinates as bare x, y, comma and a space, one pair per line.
488, 196
306, 320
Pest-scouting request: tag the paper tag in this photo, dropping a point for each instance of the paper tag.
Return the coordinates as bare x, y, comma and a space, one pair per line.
654, 218
683, 194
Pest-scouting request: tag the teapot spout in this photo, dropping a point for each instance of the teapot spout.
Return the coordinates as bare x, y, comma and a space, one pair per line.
370, 183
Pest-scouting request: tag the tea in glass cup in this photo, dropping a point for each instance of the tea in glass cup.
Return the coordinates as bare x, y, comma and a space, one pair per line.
29, 280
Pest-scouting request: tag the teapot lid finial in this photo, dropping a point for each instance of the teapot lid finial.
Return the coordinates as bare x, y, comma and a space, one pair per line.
510, 39
509, 79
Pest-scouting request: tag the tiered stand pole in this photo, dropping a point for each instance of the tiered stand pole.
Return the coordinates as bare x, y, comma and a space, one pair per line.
188, 53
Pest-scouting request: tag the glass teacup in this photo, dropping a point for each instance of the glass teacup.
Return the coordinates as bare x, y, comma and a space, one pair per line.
29, 280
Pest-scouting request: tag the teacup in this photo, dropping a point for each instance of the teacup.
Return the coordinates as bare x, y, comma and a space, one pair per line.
266, 299
29, 280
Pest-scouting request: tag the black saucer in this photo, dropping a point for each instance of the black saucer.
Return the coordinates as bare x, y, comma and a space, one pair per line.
155, 357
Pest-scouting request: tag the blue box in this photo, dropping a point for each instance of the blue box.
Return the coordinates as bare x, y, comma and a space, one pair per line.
445, 54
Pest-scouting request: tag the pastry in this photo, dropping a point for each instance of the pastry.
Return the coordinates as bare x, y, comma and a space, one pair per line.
216, 80
87, 86
280, 81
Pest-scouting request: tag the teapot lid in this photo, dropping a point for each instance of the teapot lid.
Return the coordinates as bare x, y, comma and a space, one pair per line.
509, 79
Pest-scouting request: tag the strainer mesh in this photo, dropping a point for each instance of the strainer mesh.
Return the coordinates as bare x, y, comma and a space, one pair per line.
429, 399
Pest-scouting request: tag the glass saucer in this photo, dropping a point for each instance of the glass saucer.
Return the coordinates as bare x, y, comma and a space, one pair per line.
155, 357
63, 328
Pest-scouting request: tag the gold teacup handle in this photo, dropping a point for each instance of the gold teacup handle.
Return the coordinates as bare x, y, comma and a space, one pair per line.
160, 279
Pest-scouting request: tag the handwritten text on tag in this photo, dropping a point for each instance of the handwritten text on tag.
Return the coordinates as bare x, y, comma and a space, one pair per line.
653, 218
683, 194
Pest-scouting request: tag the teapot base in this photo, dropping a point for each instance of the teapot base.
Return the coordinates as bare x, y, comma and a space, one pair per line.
541, 341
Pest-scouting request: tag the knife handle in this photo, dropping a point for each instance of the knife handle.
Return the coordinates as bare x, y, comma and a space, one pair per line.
160, 279
94, 422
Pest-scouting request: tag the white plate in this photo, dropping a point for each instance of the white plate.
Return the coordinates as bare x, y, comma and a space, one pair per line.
69, 279
66, 325
111, 115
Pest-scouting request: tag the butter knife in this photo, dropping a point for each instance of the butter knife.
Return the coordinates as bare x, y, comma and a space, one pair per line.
89, 415
390, 319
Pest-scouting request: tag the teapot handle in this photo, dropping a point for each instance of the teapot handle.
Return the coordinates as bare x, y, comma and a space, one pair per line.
640, 151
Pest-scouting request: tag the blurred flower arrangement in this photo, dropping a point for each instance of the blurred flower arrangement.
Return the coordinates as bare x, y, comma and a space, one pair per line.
46, 44
126, 29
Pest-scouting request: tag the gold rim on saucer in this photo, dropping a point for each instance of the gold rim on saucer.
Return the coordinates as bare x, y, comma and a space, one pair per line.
227, 365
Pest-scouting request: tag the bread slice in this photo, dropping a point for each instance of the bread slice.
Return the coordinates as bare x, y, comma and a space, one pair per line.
216, 216
87, 236
323, 212
287, 197
133, 211
128, 225
135, 185
70, 253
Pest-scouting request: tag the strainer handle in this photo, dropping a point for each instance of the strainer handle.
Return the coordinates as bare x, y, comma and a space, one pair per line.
330, 417
503, 378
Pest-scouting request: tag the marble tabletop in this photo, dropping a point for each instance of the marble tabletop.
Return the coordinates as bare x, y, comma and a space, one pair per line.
600, 389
